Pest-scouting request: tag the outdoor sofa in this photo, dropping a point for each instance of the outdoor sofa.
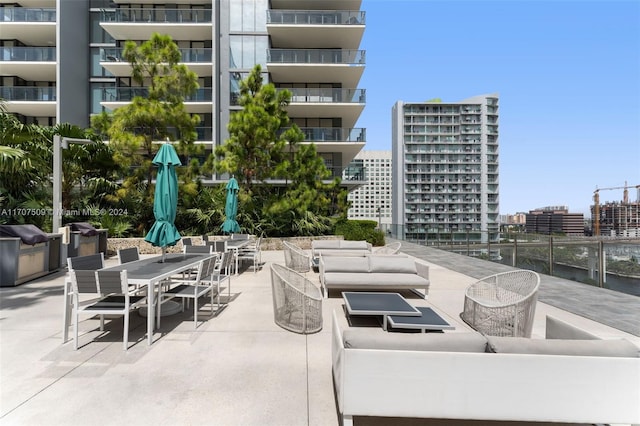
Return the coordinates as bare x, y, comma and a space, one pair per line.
465, 375
373, 273
339, 248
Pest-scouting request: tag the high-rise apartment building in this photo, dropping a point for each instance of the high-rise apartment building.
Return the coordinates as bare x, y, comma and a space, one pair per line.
62, 61
372, 201
445, 169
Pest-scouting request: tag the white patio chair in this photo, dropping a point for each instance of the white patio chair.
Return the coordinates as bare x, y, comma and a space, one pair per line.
391, 248
295, 258
297, 302
251, 252
127, 255
111, 296
193, 289
502, 304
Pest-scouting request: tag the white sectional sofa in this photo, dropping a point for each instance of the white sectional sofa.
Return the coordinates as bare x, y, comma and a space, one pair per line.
455, 376
339, 248
373, 272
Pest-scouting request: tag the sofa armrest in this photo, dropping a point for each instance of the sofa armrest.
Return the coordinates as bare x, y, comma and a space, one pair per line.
423, 270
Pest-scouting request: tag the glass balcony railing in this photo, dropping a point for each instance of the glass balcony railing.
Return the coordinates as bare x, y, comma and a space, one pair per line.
607, 263
158, 15
35, 94
126, 94
354, 173
332, 134
327, 95
316, 17
26, 14
316, 56
28, 54
193, 55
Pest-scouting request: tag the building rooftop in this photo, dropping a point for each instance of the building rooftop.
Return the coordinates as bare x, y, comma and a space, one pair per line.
237, 368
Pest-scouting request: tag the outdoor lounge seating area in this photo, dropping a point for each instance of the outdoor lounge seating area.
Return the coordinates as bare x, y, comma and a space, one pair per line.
222, 358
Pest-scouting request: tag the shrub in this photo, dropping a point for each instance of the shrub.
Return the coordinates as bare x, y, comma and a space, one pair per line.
359, 230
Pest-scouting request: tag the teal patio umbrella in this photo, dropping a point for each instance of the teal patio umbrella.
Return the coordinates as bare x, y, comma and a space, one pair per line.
163, 233
231, 207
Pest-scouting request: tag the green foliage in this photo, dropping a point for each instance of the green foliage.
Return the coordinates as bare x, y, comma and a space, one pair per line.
358, 230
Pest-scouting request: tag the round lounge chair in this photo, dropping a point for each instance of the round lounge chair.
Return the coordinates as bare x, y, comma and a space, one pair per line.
297, 302
295, 258
502, 304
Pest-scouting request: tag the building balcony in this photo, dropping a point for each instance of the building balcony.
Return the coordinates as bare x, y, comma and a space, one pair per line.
197, 60
29, 63
327, 103
341, 66
30, 101
32, 26
316, 28
116, 97
140, 24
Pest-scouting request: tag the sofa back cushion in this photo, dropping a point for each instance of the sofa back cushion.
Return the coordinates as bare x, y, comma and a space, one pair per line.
325, 244
397, 264
360, 245
440, 342
522, 345
345, 264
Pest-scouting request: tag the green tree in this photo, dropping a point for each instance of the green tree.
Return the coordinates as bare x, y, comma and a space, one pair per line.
157, 113
256, 144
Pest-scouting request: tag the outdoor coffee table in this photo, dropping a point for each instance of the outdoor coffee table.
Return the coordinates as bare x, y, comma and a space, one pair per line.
429, 320
378, 304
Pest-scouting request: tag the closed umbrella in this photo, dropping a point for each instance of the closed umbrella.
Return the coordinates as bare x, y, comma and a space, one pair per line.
163, 233
231, 207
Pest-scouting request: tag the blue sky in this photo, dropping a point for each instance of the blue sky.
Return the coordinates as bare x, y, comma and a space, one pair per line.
567, 73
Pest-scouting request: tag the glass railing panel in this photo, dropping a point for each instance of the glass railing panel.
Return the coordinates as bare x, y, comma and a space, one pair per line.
316, 17
126, 94
189, 55
28, 93
159, 15
28, 54
328, 95
316, 56
26, 14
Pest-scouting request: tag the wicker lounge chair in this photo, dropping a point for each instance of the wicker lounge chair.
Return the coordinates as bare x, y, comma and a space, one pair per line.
297, 302
502, 304
296, 258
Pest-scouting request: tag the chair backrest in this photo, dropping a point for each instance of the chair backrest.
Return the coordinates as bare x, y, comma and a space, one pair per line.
112, 282
86, 263
199, 249
227, 262
240, 236
206, 268
218, 245
83, 281
186, 241
129, 254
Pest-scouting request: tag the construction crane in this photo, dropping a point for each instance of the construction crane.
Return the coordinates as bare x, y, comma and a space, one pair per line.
596, 204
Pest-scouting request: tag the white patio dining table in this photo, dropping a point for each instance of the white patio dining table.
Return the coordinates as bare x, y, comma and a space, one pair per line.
149, 272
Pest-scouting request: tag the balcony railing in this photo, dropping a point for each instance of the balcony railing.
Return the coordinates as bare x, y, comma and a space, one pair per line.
27, 54
26, 14
189, 55
327, 95
316, 17
316, 56
30, 93
126, 94
601, 262
160, 15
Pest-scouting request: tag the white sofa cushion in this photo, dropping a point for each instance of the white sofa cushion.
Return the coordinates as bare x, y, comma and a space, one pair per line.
521, 345
438, 342
360, 245
346, 264
325, 244
380, 279
396, 264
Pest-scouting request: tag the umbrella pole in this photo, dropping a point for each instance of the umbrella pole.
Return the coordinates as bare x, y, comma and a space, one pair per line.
164, 253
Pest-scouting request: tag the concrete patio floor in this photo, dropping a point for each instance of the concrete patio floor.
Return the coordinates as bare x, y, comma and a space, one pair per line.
237, 368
